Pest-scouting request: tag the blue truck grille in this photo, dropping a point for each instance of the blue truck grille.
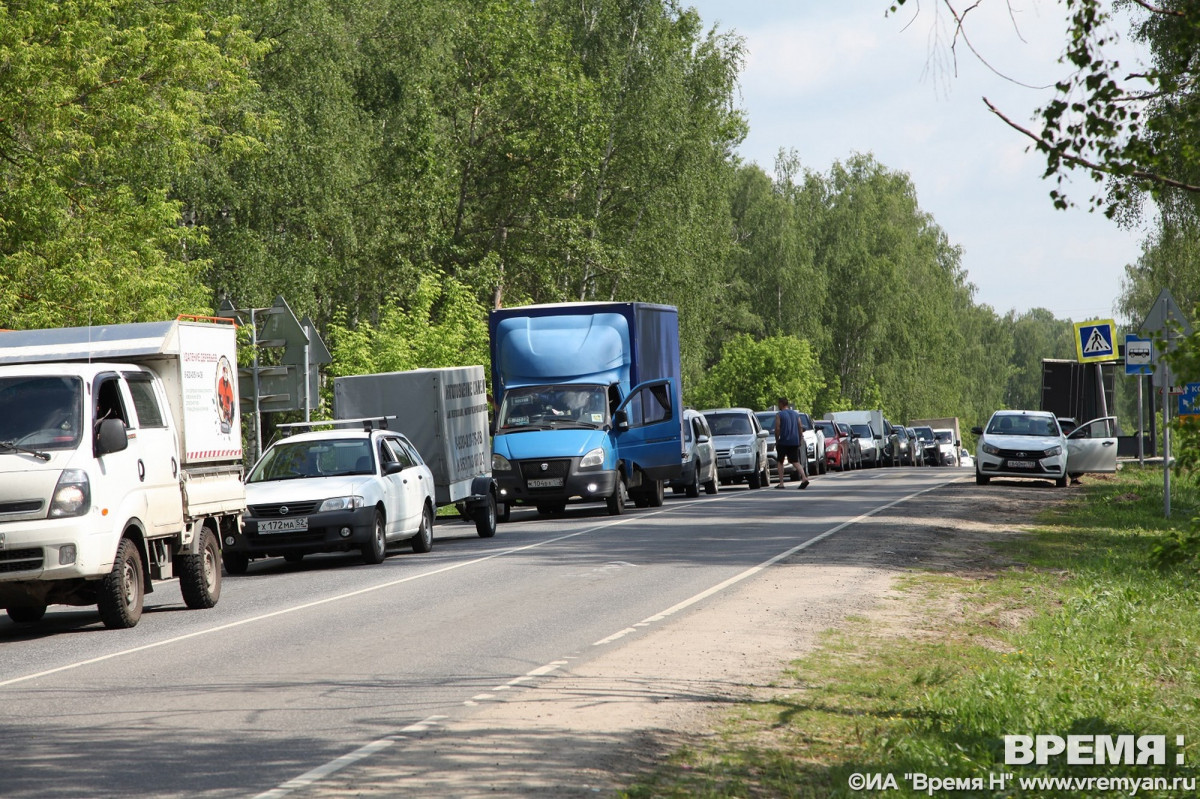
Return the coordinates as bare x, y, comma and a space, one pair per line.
533, 470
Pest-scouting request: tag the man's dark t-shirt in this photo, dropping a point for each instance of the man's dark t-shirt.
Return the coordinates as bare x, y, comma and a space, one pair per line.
788, 421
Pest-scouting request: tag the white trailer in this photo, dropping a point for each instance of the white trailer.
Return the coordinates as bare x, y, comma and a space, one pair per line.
444, 413
120, 464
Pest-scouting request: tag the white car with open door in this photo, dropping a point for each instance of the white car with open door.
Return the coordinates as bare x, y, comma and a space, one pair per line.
1092, 447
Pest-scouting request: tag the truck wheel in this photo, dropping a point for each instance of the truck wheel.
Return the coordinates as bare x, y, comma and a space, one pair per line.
693, 488
235, 562
122, 591
375, 550
423, 540
485, 517
620, 495
27, 614
200, 574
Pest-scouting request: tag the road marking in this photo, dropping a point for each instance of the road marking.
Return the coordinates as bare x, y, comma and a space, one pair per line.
753, 570
333, 766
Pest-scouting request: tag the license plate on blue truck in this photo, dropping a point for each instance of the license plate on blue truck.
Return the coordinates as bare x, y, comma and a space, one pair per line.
549, 482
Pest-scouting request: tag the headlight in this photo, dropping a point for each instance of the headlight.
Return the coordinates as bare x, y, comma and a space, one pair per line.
593, 458
741, 449
1050, 453
500, 463
72, 495
341, 503
989, 449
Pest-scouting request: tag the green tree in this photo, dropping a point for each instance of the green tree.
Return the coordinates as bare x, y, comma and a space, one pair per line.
756, 373
102, 104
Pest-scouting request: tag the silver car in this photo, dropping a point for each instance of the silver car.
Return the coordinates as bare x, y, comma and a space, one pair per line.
699, 457
741, 446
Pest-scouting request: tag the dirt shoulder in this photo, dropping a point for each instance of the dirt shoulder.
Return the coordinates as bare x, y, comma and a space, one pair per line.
593, 728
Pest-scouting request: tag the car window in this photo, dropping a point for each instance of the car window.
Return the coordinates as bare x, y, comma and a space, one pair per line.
689, 431
729, 424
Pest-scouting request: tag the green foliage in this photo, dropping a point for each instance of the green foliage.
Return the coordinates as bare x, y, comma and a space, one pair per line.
102, 104
443, 325
755, 374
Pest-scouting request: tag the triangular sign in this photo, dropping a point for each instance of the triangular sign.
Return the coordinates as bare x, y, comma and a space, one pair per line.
1096, 343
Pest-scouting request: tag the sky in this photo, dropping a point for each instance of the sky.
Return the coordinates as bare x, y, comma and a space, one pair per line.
831, 78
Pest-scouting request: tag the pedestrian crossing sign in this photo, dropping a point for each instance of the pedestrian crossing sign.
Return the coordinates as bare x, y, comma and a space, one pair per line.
1094, 341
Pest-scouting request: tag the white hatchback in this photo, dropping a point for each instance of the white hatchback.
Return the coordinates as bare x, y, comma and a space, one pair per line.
335, 491
1031, 444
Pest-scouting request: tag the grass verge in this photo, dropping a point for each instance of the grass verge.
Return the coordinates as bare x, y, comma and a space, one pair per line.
1071, 633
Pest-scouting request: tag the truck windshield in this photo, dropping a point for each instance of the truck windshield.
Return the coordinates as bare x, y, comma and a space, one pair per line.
40, 411
326, 457
544, 407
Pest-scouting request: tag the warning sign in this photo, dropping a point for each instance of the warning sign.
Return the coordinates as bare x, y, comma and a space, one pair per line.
1094, 341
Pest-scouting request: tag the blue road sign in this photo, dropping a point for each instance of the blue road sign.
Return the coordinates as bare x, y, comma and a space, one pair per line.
1139, 355
1189, 400
1096, 340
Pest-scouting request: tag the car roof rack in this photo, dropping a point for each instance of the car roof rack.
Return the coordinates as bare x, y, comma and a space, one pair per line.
368, 423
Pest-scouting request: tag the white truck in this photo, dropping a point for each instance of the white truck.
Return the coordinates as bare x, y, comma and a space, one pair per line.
444, 413
120, 464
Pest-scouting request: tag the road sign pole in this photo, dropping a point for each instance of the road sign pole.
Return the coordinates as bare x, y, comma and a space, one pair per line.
1166, 432
1141, 425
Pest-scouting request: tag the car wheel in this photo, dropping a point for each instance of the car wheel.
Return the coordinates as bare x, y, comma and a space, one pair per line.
200, 574
27, 614
656, 495
693, 488
616, 502
755, 478
1061, 482
122, 590
981, 479
485, 517
375, 550
710, 487
423, 540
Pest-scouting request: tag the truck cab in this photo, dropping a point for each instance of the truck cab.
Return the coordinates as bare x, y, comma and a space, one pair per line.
573, 421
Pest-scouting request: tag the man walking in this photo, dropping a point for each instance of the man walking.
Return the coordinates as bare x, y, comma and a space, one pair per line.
788, 441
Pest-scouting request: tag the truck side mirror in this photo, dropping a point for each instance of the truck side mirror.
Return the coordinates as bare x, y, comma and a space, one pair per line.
621, 420
111, 437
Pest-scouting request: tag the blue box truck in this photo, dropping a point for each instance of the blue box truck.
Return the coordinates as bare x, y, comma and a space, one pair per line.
587, 404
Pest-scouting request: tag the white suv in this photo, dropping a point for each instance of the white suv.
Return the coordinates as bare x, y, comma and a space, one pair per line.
335, 491
741, 445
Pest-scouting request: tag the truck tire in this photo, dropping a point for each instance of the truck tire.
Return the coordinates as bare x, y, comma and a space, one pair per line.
620, 495
423, 541
375, 550
200, 574
27, 614
122, 591
485, 517
235, 562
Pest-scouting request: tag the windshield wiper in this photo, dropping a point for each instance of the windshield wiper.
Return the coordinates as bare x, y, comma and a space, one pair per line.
15, 447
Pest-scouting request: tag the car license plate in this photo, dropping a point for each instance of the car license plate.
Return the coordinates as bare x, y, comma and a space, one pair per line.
1022, 464
552, 482
296, 525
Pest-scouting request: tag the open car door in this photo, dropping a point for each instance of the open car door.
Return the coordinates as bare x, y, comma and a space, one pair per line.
1092, 447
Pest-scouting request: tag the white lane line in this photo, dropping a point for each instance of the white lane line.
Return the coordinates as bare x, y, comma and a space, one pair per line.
753, 570
335, 765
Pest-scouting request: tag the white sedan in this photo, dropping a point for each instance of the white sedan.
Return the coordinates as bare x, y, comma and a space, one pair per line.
335, 491
1031, 444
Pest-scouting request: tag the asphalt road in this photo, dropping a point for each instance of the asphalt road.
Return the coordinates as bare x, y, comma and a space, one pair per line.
300, 668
